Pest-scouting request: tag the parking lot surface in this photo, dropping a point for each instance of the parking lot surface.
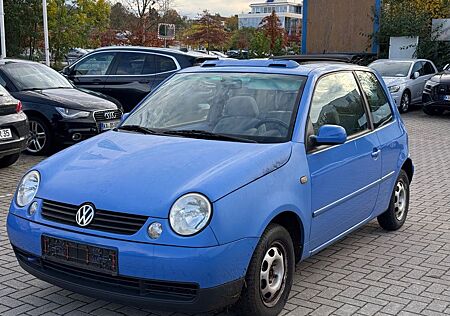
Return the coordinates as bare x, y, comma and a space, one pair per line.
371, 272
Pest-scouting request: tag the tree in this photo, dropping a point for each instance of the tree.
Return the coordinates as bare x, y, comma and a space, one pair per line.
208, 30
272, 28
242, 38
259, 45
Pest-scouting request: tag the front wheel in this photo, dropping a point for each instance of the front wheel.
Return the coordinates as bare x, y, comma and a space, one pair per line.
395, 216
270, 274
405, 102
40, 141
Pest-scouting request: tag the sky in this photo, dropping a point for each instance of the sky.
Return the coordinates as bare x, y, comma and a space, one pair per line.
225, 7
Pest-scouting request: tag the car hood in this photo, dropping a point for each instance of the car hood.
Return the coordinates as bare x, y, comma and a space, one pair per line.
68, 98
145, 174
391, 81
442, 77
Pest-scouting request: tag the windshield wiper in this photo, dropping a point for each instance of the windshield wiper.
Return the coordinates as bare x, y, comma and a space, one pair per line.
208, 135
138, 129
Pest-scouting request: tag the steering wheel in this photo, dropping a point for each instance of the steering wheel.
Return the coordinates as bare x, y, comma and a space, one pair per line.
280, 125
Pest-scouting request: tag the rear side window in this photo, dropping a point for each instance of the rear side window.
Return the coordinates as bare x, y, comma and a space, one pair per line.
378, 102
337, 101
94, 65
130, 64
164, 64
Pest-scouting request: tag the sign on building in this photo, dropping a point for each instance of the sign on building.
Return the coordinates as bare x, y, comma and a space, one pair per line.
403, 47
166, 31
441, 27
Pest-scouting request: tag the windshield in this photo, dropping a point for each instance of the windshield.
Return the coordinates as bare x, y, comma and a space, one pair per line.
29, 76
249, 106
392, 68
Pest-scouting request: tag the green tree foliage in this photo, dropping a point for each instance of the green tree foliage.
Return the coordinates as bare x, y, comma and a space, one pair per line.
260, 45
414, 18
207, 31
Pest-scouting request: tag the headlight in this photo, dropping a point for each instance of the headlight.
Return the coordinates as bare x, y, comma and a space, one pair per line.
190, 214
70, 113
393, 89
28, 188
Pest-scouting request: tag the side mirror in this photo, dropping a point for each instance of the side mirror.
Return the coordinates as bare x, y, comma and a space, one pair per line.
415, 75
66, 71
124, 117
330, 135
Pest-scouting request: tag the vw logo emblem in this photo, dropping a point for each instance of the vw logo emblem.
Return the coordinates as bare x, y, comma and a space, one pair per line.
110, 115
85, 215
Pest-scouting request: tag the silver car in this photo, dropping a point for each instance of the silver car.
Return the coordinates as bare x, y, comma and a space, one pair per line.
405, 79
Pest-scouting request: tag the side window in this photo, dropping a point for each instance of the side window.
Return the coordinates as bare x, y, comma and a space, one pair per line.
130, 64
164, 64
418, 67
378, 102
94, 65
337, 101
429, 69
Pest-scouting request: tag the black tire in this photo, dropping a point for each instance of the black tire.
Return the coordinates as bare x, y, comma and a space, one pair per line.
432, 112
395, 216
251, 301
44, 127
405, 102
9, 160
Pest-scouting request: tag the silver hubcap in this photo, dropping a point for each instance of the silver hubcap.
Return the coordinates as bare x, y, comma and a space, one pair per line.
400, 201
37, 139
273, 275
405, 102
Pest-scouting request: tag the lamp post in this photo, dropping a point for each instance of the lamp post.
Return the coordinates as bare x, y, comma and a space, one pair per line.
2, 31
46, 45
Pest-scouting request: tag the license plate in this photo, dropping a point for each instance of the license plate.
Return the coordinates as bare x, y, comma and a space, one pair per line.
89, 257
5, 134
106, 126
446, 97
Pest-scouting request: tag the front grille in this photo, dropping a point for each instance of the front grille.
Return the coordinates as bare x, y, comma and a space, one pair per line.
442, 89
163, 290
111, 222
8, 109
107, 115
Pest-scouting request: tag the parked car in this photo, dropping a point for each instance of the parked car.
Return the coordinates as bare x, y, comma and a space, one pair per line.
74, 54
58, 113
13, 129
436, 95
405, 79
128, 74
230, 173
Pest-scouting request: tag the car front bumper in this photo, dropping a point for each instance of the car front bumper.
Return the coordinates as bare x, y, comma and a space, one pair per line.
435, 102
69, 132
212, 276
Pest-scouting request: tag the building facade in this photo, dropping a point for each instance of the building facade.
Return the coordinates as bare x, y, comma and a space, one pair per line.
289, 12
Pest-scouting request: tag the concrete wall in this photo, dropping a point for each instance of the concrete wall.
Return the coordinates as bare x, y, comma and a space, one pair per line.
338, 26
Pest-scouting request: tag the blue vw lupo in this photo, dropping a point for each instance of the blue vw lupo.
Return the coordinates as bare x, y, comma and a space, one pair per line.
215, 186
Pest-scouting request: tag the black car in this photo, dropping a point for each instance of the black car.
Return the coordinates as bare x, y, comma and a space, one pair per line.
128, 74
436, 95
13, 129
59, 113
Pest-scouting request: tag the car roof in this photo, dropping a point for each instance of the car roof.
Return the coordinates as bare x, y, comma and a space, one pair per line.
273, 66
144, 49
5, 61
399, 60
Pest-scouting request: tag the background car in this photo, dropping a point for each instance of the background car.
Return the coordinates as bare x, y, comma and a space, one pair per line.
405, 79
74, 54
13, 129
436, 95
128, 74
58, 113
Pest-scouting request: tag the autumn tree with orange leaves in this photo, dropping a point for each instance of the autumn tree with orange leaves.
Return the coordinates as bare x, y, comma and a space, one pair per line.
275, 33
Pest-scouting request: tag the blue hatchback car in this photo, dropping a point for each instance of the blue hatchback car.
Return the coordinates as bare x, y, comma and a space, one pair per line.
213, 188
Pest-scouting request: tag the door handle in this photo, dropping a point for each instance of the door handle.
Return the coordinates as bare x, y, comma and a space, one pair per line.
376, 153
96, 81
144, 81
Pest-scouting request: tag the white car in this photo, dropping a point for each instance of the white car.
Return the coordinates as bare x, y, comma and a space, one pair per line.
405, 79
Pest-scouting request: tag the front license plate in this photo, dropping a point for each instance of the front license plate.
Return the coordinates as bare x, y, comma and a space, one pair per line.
446, 97
106, 126
81, 255
5, 134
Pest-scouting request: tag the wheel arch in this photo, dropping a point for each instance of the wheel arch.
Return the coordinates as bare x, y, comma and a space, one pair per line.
294, 225
34, 113
408, 167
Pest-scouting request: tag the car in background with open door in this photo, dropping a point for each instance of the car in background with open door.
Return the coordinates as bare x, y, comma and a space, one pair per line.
128, 74
405, 79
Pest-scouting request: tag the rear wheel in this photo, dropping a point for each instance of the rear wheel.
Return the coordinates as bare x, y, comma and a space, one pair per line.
40, 141
270, 274
405, 102
9, 160
395, 216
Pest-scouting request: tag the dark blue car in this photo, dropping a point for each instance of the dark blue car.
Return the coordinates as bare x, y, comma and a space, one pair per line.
216, 185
